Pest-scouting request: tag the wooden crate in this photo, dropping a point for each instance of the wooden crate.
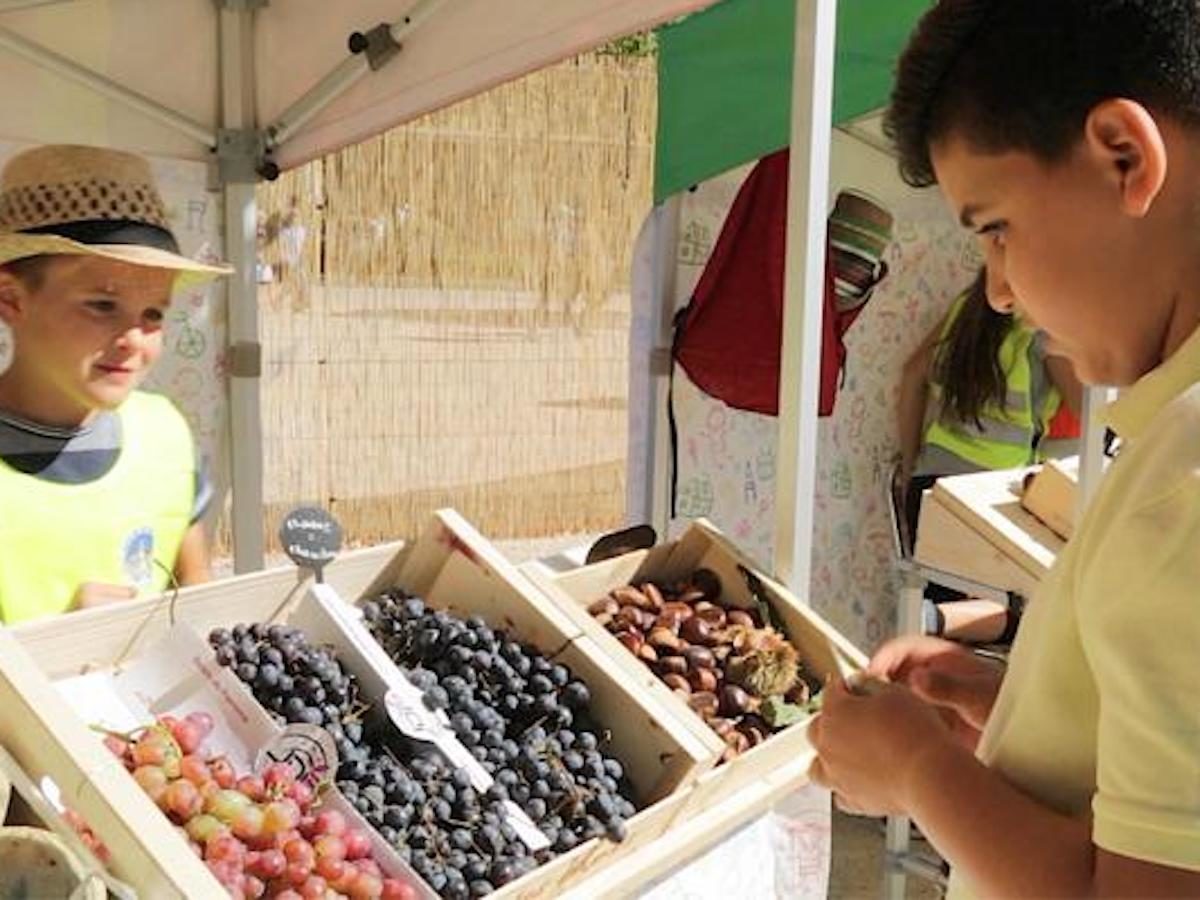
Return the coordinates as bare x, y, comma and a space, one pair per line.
48, 741
452, 567
975, 526
822, 649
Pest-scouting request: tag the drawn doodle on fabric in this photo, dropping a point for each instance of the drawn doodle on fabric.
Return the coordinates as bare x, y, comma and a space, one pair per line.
197, 211
718, 420
695, 244
191, 342
696, 498
764, 464
749, 485
841, 481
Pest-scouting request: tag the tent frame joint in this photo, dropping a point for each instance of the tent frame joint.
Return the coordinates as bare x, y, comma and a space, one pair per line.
245, 359
243, 157
378, 44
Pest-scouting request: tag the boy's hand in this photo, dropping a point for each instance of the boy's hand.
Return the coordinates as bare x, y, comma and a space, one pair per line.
871, 738
960, 684
92, 593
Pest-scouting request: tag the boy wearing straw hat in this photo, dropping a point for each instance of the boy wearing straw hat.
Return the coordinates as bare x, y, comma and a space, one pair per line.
1066, 135
100, 491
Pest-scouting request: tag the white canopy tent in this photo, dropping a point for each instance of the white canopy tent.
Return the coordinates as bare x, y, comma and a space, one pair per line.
255, 87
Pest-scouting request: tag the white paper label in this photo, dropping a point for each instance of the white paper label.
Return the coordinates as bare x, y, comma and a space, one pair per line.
529, 834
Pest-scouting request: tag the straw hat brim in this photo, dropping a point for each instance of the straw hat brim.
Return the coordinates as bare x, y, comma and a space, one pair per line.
14, 246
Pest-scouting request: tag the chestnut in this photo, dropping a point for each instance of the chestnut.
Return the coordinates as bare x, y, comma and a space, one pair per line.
672, 665
703, 680
677, 683
721, 726
735, 701
669, 618
683, 610
647, 653
653, 595
630, 614
705, 704
631, 596
631, 641
665, 639
700, 658
713, 615
740, 617
607, 604
696, 631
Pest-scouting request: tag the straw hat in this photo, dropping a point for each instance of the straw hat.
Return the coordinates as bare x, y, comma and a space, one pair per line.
65, 199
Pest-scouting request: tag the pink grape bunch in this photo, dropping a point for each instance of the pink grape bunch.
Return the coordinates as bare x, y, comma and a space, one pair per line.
261, 835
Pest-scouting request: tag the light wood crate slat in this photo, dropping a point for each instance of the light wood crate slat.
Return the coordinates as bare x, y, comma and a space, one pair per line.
47, 740
451, 566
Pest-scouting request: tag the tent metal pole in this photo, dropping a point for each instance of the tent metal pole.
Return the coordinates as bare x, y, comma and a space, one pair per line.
666, 255
1091, 449
53, 62
245, 353
800, 362
346, 74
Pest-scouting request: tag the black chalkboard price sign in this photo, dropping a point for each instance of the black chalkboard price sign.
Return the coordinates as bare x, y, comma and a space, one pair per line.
311, 537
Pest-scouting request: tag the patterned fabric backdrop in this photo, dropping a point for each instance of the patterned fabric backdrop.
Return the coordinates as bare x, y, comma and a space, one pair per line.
727, 456
191, 368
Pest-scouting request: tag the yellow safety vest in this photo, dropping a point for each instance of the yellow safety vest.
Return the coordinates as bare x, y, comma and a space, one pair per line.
1010, 436
126, 527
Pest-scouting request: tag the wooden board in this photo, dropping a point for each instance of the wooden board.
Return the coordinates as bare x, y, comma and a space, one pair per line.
822, 649
989, 503
948, 543
451, 566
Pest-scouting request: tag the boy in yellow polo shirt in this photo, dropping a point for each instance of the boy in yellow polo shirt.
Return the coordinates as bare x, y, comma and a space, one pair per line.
1067, 135
99, 484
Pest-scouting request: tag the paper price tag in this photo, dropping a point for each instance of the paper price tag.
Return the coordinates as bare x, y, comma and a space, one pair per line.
529, 834
409, 713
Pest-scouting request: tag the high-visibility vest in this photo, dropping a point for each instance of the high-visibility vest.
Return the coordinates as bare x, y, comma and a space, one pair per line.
1011, 435
125, 527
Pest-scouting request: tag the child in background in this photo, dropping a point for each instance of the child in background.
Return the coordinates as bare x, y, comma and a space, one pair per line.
979, 393
101, 490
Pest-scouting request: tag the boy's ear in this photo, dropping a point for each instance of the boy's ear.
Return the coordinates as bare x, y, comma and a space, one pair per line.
1124, 139
13, 297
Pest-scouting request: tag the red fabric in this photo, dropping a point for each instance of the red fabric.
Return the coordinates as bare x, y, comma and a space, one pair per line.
1064, 426
732, 330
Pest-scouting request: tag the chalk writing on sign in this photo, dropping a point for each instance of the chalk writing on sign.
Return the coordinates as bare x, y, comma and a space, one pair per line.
310, 536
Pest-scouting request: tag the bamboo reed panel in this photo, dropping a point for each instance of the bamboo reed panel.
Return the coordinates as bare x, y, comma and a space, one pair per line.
454, 329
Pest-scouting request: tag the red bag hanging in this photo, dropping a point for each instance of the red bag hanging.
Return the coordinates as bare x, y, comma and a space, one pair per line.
728, 337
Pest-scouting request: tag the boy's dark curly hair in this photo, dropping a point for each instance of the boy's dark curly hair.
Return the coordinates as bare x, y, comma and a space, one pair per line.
1023, 74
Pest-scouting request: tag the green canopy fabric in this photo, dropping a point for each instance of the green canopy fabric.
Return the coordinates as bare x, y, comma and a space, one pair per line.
725, 79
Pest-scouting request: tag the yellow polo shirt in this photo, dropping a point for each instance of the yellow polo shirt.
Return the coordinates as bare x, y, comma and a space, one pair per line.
1100, 709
